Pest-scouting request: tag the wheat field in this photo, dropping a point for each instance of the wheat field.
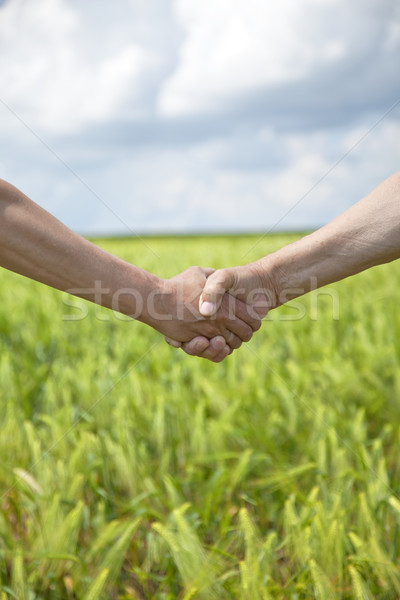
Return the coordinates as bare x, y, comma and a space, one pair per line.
130, 470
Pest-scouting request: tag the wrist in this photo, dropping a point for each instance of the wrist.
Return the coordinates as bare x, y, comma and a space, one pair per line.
135, 292
295, 269
160, 308
152, 301
270, 276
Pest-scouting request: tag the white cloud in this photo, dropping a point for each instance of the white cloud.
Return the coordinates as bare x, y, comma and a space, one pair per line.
232, 48
264, 97
52, 78
193, 189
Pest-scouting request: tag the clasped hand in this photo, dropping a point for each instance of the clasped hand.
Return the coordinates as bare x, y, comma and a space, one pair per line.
210, 313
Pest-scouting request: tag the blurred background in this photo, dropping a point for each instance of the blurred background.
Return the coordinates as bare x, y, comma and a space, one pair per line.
171, 116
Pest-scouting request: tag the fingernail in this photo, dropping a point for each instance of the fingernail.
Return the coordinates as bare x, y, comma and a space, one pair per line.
207, 308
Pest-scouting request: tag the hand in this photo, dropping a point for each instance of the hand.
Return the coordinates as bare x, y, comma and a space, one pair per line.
248, 283
216, 349
175, 312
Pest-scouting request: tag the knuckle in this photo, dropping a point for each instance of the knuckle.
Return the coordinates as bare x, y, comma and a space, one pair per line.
217, 279
188, 350
209, 354
248, 334
193, 270
256, 325
235, 342
218, 359
219, 276
192, 349
217, 344
210, 330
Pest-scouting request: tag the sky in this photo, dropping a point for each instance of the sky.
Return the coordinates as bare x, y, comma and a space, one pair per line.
180, 116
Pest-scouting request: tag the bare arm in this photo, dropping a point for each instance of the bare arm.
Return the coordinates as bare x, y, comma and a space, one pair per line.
35, 244
366, 235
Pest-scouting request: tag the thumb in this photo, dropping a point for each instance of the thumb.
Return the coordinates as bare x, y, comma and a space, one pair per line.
215, 287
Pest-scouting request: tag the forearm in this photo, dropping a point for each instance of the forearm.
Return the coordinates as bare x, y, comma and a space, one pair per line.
35, 244
366, 235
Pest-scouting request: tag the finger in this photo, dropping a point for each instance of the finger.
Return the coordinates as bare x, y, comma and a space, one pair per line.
236, 309
217, 344
219, 356
239, 329
196, 346
215, 351
222, 356
233, 340
207, 271
216, 348
173, 343
202, 346
215, 287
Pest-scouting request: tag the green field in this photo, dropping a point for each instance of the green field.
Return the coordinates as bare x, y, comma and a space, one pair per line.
130, 470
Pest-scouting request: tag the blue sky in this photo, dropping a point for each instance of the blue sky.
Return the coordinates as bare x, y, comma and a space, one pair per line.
184, 116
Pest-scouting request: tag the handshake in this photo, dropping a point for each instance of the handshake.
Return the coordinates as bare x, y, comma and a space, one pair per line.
221, 309
210, 313
205, 312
